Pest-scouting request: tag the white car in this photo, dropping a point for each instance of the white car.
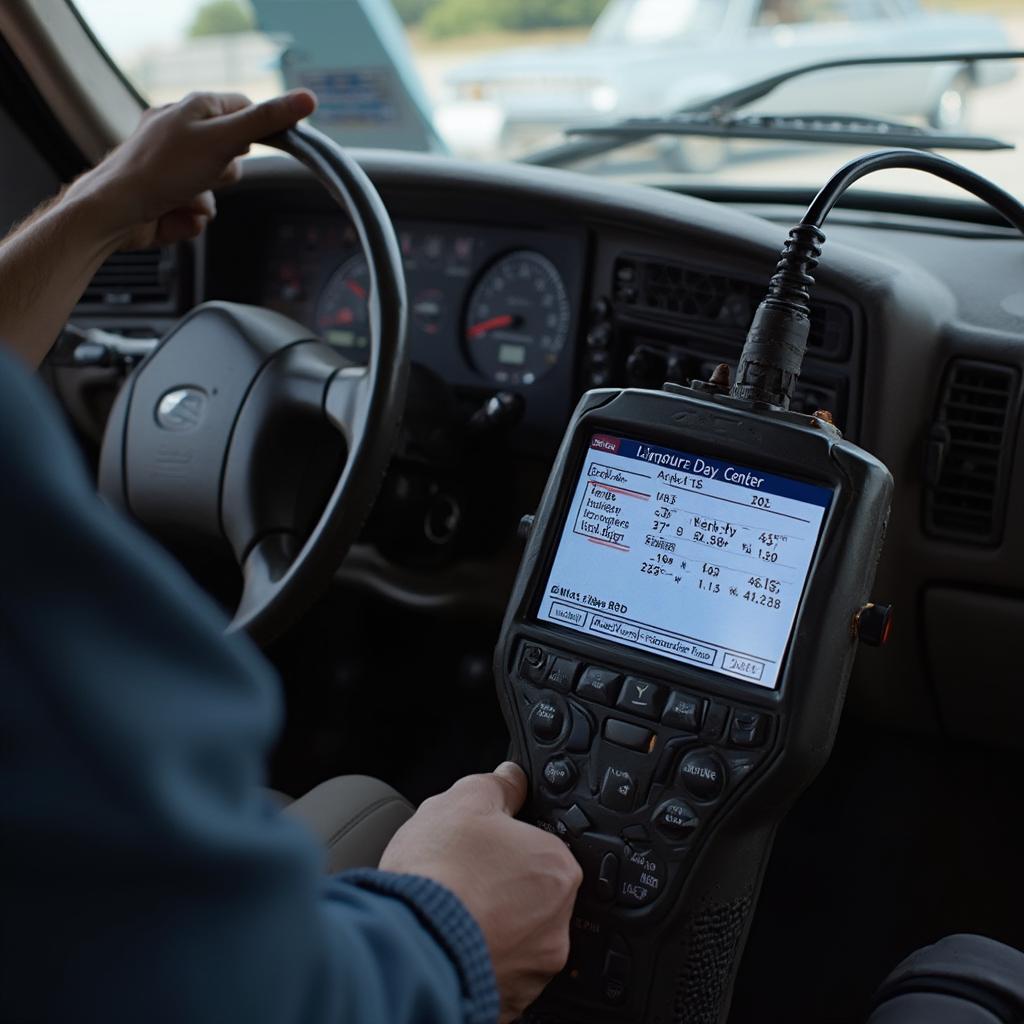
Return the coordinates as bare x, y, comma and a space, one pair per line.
652, 57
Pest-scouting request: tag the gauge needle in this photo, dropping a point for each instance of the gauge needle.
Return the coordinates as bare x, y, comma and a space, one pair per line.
476, 330
356, 289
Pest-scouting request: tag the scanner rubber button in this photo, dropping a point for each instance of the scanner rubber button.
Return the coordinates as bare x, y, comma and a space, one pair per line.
641, 697
634, 737
618, 790
702, 775
600, 685
560, 774
546, 721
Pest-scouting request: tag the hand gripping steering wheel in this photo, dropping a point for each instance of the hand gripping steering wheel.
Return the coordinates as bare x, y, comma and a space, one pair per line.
219, 431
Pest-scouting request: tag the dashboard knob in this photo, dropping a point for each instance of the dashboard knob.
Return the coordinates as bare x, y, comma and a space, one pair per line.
646, 366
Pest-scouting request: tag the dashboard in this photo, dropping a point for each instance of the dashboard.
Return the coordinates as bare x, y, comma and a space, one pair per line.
490, 309
529, 286
525, 302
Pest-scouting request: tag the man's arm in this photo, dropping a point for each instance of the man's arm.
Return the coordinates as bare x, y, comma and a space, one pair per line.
154, 189
142, 876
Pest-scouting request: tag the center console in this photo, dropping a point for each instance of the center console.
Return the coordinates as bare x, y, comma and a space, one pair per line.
672, 666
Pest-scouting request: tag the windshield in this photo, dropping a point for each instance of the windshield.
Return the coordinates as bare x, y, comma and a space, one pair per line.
502, 79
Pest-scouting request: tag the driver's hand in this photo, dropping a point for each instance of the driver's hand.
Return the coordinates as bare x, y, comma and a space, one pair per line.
156, 187
516, 880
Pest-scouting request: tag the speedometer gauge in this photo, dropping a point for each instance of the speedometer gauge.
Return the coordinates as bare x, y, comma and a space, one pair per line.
342, 314
517, 321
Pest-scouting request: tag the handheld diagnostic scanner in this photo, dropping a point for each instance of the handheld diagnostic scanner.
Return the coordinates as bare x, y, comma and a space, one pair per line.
672, 667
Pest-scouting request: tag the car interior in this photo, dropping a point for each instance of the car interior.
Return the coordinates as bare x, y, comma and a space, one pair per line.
910, 831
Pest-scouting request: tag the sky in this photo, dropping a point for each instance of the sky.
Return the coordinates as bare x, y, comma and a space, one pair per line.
126, 26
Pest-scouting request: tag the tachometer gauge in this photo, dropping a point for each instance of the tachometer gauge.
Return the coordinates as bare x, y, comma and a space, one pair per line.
517, 321
342, 316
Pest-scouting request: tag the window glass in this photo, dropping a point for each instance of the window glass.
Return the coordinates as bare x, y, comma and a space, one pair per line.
501, 79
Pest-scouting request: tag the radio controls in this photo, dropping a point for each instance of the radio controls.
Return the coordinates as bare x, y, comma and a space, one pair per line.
618, 790
747, 729
632, 736
562, 674
676, 821
600, 685
546, 721
714, 721
684, 712
702, 775
641, 697
560, 774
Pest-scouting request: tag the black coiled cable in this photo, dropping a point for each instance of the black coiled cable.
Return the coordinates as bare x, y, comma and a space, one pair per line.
792, 281
777, 340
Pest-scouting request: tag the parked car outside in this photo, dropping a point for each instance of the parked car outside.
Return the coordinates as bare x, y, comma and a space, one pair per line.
652, 57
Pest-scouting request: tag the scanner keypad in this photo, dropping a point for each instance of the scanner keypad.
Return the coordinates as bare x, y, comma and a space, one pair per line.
628, 771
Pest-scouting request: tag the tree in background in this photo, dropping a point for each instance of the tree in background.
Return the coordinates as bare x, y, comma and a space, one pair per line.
411, 11
221, 17
441, 18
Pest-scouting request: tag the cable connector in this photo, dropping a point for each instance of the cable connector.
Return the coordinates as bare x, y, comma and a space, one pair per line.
777, 339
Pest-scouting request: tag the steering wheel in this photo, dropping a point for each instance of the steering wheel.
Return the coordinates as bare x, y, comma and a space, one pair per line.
219, 431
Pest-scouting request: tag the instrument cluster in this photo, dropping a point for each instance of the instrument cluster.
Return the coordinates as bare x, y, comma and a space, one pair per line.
491, 308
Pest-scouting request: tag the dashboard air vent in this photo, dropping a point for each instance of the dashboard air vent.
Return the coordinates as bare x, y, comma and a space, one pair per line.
134, 280
689, 294
969, 452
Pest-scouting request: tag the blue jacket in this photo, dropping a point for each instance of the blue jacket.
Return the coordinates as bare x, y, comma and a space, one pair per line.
143, 877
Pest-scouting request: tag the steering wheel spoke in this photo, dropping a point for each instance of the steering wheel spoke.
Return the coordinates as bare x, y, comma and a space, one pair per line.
265, 569
347, 402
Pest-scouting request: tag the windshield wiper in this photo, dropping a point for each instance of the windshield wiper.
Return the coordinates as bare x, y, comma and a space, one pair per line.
715, 116
841, 128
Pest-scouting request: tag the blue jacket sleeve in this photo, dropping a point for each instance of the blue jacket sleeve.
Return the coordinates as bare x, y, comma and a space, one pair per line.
143, 876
